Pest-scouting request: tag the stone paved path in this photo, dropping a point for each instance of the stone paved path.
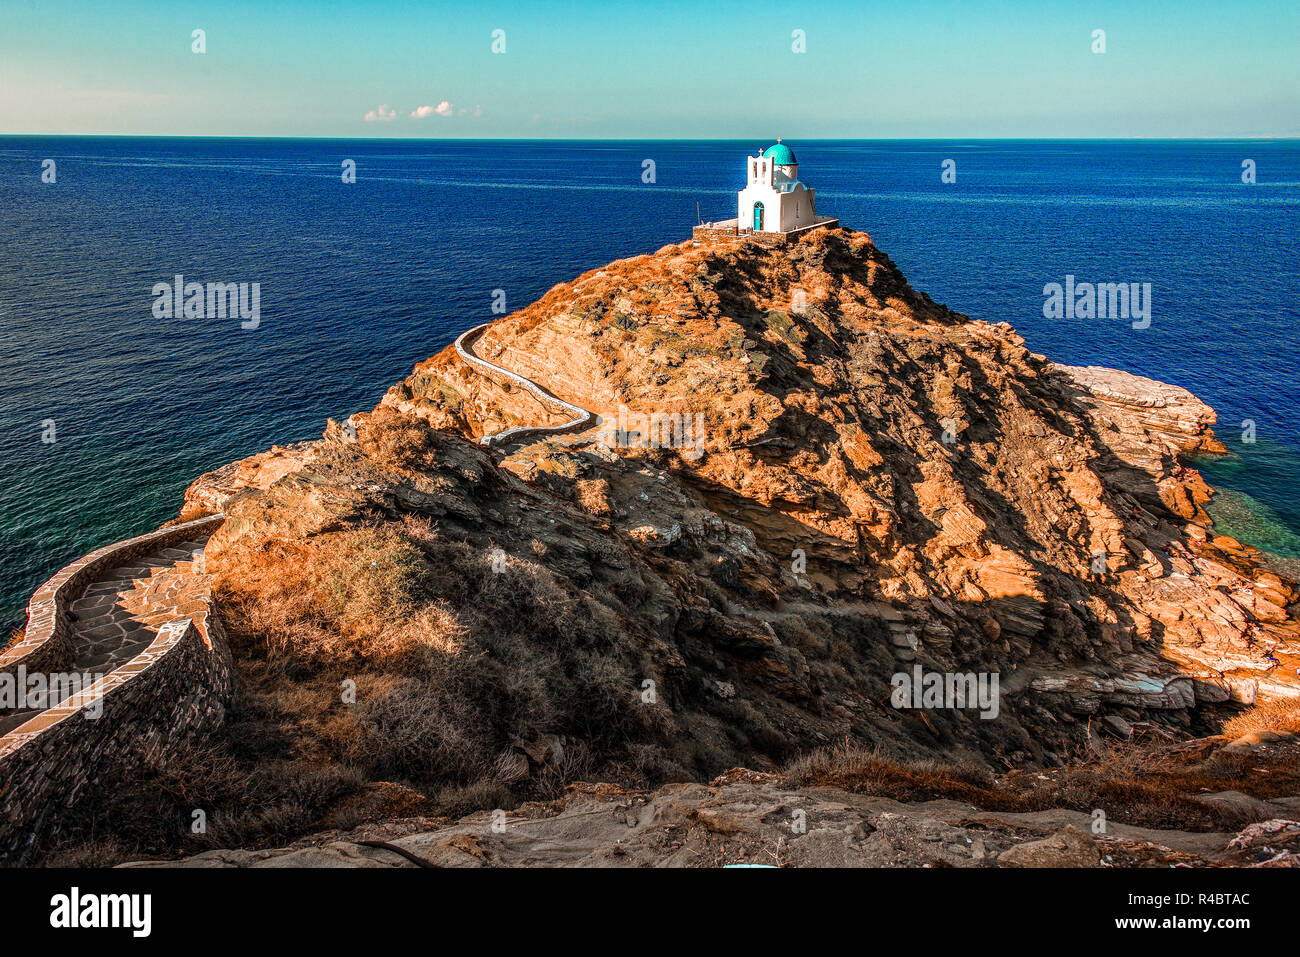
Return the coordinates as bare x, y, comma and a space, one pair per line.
119, 613
583, 419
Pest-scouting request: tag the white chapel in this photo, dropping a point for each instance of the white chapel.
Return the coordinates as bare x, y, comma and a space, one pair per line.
774, 199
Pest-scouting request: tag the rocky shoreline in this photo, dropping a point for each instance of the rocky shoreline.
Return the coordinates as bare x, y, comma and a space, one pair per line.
1093, 580
881, 485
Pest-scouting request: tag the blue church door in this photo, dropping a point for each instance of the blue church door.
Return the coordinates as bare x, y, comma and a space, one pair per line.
758, 217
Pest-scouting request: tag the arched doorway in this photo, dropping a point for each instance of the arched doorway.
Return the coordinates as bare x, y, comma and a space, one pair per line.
758, 217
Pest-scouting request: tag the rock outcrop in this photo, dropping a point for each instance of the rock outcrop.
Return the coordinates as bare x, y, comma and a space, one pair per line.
808, 477
743, 818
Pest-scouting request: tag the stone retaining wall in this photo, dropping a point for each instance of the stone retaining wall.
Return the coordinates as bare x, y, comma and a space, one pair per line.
582, 419
136, 716
151, 706
47, 643
729, 230
715, 231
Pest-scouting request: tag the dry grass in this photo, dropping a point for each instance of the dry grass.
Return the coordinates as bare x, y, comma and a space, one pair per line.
391, 439
16, 636
1133, 784
593, 496
343, 597
152, 812
870, 771
458, 672
1280, 715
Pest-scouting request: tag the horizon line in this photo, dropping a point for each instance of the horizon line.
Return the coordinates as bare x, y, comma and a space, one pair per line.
660, 139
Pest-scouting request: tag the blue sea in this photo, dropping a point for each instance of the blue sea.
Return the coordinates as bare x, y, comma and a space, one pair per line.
359, 281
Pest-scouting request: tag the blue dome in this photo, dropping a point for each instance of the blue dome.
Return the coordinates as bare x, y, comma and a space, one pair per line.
780, 155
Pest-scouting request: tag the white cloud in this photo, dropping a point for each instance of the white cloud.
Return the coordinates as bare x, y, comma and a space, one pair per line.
442, 109
381, 114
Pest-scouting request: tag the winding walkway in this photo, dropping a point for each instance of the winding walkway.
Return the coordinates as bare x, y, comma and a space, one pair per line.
582, 420
133, 622
117, 614
134, 664
104, 610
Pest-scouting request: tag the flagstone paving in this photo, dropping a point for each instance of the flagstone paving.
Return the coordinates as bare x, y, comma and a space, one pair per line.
118, 614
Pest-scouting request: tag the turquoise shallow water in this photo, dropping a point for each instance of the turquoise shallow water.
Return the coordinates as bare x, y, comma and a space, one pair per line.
361, 281
1247, 480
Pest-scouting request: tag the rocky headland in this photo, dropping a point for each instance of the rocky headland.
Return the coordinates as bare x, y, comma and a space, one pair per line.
801, 478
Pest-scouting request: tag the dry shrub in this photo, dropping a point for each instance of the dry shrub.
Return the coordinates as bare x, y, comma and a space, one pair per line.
715, 822
391, 439
1279, 715
150, 812
1135, 784
870, 771
421, 730
16, 636
458, 671
484, 794
342, 596
93, 852
454, 663
593, 496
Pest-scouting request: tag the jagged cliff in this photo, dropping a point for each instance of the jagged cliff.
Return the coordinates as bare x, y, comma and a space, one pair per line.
808, 478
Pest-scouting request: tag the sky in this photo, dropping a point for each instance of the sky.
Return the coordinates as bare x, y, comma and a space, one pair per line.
652, 69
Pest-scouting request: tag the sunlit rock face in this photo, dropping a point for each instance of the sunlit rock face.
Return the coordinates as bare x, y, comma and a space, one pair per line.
808, 478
